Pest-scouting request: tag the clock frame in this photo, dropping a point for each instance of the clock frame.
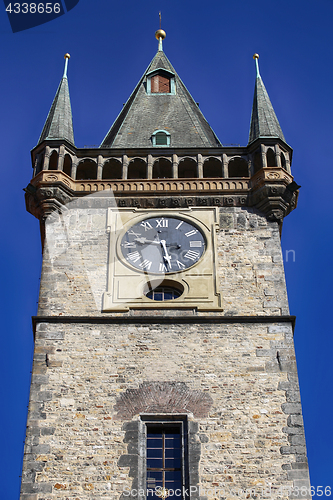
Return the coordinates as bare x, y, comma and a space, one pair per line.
127, 285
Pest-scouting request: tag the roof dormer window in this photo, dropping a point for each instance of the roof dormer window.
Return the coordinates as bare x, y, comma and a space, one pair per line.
161, 138
160, 82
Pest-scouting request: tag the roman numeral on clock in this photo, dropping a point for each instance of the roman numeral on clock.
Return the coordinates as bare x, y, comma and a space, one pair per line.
133, 256
146, 264
162, 222
130, 231
146, 225
191, 255
129, 244
195, 244
191, 233
180, 265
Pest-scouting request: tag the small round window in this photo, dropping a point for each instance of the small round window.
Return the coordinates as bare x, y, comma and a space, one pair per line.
163, 293
167, 290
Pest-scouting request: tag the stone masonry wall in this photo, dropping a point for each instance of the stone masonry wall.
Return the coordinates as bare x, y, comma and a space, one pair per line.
251, 437
238, 376
249, 259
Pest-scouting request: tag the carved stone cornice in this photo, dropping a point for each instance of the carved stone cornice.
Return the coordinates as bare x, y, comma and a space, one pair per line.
274, 192
127, 186
270, 190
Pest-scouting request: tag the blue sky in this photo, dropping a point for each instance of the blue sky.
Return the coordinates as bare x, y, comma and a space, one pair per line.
210, 44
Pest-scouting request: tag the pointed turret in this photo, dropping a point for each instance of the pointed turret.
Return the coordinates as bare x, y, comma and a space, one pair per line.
59, 123
160, 104
264, 122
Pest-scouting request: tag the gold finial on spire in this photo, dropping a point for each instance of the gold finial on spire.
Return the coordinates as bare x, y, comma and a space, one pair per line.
67, 56
160, 34
256, 57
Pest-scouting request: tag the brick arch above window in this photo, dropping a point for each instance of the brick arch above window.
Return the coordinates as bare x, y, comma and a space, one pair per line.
162, 397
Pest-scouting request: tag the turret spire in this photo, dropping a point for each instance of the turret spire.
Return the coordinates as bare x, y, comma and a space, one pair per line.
59, 122
256, 58
160, 103
264, 122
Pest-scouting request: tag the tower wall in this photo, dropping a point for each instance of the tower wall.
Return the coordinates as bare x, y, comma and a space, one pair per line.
232, 373
250, 266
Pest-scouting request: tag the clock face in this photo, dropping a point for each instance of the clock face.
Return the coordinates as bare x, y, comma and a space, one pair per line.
163, 245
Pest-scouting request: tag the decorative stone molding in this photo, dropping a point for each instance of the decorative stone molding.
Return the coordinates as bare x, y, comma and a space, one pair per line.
146, 185
271, 174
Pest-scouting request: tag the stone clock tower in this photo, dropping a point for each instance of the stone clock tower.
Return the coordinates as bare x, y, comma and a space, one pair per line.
164, 363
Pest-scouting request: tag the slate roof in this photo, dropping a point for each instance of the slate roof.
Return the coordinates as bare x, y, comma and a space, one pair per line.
264, 122
59, 122
143, 114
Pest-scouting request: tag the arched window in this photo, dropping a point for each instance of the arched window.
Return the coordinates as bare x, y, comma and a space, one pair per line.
167, 290
53, 163
270, 157
163, 293
40, 163
162, 169
257, 162
161, 138
283, 161
67, 168
86, 170
187, 169
212, 167
112, 169
137, 169
238, 167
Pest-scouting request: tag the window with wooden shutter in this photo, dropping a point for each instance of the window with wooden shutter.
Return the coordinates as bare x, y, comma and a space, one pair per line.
160, 85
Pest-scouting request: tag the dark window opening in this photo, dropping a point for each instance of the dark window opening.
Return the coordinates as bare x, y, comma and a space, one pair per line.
162, 169
212, 168
86, 170
67, 168
187, 169
160, 84
40, 163
238, 168
270, 156
165, 460
137, 169
112, 169
53, 163
257, 162
283, 161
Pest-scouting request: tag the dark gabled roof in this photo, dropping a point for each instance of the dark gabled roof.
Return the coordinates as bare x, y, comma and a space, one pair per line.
59, 122
177, 113
264, 122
